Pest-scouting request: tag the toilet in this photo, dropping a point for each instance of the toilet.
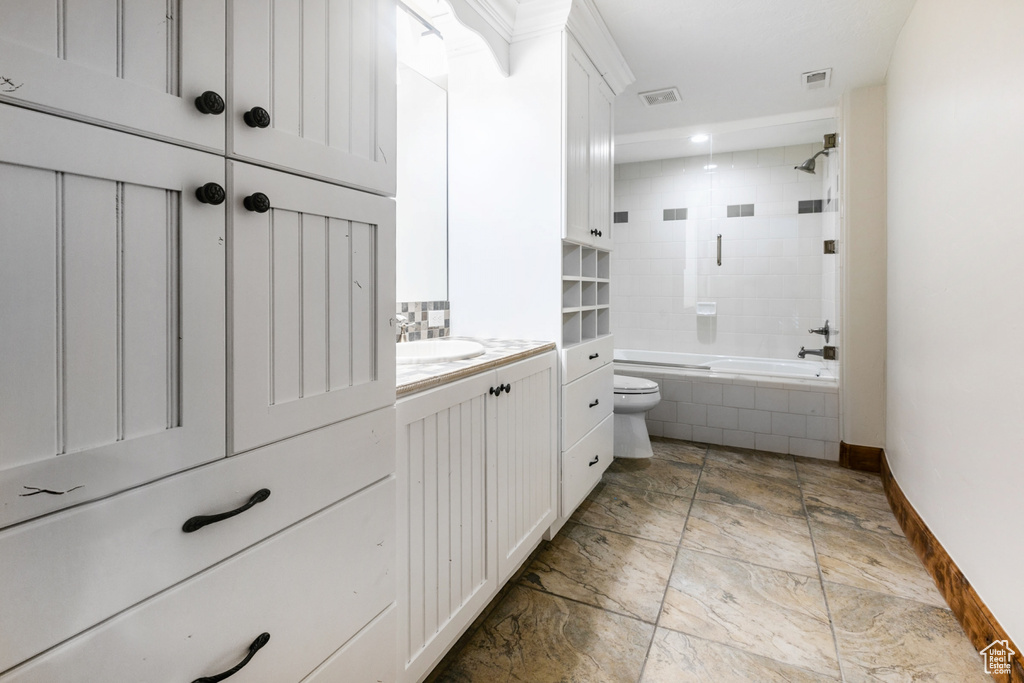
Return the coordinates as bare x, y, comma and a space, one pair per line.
633, 398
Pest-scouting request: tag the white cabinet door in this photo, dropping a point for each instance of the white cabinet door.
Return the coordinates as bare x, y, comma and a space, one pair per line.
112, 302
445, 518
577, 145
521, 443
136, 65
601, 176
312, 284
324, 71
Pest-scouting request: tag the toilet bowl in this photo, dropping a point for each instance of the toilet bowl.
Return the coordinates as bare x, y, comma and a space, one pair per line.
633, 398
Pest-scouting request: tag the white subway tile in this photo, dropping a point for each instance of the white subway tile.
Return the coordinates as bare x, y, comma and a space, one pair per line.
775, 400
656, 427
831, 405
708, 393
693, 414
823, 428
787, 424
808, 448
665, 411
677, 390
738, 439
774, 156
738, 396
707, 435
755, 420
832, 450
807, 403
676, 430
723, 417
771, 443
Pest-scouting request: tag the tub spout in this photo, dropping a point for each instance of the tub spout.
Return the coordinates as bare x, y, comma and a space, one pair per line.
810, 352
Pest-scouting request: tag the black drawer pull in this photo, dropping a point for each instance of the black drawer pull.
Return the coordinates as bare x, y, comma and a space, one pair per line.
594, 355
496, 391
257, 117
210, 103
197, 523
594, 461
257, 202
260, 641
596, 401
508, 388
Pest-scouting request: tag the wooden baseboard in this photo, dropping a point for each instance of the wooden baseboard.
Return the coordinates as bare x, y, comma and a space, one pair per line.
977, 621
863, 458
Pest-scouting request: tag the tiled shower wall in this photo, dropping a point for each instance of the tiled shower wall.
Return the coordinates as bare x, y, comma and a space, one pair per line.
773, 284
417, 313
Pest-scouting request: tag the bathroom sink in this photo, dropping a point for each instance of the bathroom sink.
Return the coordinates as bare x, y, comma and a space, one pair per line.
437, 350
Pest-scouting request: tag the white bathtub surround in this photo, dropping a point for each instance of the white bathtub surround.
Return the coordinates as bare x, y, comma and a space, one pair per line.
774, 283
755, 408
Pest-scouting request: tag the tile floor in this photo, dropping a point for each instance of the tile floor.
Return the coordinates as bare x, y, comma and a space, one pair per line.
709, 563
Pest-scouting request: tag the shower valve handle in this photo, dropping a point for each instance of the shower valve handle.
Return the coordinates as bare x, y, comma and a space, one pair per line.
823, 331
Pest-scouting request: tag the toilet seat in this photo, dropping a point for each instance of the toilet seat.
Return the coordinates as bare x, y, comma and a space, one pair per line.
625, 384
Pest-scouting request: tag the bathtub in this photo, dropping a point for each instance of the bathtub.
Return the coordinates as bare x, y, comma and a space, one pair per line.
775, 405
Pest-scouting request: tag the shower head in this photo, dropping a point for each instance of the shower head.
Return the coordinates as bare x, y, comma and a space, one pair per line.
808, 166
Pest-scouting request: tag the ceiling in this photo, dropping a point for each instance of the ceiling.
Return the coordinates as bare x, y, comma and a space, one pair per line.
738, 65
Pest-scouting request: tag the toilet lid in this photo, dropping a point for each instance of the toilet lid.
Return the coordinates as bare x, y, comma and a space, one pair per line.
625, 384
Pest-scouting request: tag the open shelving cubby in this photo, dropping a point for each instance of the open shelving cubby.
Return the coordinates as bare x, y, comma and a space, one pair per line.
586, 293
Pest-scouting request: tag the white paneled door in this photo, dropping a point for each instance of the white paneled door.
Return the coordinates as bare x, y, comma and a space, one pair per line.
322, 75
111, 302
312, 285
137, 65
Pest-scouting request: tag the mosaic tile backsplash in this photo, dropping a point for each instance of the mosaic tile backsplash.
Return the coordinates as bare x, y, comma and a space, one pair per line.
418, 314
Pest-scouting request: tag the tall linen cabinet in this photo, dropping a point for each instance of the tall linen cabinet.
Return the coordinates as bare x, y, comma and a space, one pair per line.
196, 358
530, 217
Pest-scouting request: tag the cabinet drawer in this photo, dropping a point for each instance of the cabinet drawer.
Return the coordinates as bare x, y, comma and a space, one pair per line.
586, 357
586, 402
369, 656
584, 463
98, 559
311, 587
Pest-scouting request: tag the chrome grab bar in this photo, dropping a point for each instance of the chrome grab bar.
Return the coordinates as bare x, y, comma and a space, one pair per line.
719, 249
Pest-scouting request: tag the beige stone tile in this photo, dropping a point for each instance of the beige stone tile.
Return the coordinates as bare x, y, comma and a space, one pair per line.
826, 473
857, 509
874, 561
753, 462
680, 451
751, 535
744, 489
534, 637
654, 474
884, 638
620, 573
764, 611
679, 658
654, 516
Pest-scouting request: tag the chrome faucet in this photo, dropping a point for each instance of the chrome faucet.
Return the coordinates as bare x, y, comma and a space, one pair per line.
810, 352
822, 330
403, 325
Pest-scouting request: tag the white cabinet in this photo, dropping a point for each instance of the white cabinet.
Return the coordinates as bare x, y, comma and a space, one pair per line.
588, 151
112, 301
323, 72
476, 471
137, 65
311, 279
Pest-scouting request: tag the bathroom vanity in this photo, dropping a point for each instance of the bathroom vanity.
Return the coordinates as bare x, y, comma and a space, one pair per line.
477, 469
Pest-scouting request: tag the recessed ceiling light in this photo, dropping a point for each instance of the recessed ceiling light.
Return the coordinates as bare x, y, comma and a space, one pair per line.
710, 166
699, 137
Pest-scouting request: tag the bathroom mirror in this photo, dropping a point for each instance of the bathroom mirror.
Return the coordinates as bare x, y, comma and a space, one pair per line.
422, 166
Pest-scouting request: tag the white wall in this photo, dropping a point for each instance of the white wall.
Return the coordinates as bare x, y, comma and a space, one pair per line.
955, 379
769, 288
862, 250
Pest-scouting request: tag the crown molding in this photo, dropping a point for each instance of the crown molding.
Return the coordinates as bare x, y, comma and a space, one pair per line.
493, 21
588, 27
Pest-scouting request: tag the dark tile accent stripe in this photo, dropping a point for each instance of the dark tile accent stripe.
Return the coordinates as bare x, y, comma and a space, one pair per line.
974, 616
620, 217
809, 206
739, 210
674, 214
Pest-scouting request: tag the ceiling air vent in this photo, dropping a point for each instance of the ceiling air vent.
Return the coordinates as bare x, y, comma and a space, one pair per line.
817, 79
656, 97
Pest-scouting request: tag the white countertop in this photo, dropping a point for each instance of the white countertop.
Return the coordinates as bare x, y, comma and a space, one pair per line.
413, 377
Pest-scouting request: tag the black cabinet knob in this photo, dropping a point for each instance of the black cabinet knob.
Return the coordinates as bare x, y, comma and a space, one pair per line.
596, 232
257, 202
210, 103
257, 117
211, 193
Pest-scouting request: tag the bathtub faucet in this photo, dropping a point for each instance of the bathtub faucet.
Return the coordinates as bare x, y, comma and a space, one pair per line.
827, 353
